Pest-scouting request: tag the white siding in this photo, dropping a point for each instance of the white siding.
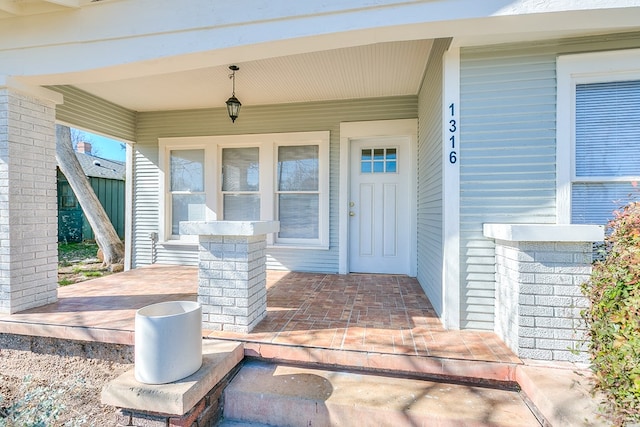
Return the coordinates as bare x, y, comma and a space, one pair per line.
508, 149
318, 116
86, 111
430, 209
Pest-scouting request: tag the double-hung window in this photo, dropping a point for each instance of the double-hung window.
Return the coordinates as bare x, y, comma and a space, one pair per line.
186, 187
598, 135
282, 177
298, 192
241, 183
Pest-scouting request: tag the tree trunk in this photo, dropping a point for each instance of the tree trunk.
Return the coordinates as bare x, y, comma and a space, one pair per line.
106, 236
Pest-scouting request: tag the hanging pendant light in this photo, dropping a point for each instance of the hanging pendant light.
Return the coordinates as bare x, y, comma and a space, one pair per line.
233, 104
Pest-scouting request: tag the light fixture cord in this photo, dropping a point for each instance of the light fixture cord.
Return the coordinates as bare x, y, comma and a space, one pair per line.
233, 82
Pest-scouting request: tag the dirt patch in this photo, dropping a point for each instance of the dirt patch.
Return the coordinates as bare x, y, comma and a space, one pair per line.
54, 390
49, 389
81, 271
78, 262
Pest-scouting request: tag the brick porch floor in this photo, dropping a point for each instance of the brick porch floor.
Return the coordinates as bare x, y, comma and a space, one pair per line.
362, 321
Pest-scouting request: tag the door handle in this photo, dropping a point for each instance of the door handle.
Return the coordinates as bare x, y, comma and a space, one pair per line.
352, 213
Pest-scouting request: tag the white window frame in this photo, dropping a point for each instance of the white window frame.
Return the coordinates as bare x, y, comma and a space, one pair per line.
572, 70
323, 190
262, 177
268, 148
166, 145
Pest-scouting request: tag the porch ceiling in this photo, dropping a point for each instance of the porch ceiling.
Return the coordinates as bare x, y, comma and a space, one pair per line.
10, 8
149, 55
376, 70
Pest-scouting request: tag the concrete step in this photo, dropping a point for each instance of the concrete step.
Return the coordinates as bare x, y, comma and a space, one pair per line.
281, 395
235, 423
562, 395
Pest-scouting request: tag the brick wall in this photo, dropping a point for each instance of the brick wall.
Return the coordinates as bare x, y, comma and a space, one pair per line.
28, 206
538, 298
232, 282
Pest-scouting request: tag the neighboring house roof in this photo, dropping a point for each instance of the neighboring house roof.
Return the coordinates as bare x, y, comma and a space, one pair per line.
101, 168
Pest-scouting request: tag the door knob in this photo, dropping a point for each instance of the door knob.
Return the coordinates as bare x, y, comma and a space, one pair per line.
352, 213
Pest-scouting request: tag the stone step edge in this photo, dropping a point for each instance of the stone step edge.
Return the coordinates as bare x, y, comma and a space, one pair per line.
179, 397
481, 372
249, 399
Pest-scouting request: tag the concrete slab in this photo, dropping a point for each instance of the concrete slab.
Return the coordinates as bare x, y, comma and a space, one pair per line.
561, 395
178, 397
292, 396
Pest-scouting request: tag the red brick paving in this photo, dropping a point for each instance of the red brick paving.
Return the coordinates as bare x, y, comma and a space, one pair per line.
381, 314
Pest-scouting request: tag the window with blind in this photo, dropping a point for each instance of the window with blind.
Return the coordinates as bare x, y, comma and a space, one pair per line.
186, 188
282, 177
298, 192
607, 149
240, 184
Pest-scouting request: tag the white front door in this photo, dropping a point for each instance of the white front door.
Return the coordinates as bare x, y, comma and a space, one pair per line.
379, 207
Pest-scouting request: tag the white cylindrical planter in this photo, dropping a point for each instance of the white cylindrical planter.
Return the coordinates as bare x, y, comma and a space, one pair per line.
168, 341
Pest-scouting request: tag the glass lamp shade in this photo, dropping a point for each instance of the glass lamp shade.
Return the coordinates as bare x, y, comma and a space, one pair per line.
233, 108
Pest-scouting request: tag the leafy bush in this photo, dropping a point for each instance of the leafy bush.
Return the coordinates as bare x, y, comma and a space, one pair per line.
613, 318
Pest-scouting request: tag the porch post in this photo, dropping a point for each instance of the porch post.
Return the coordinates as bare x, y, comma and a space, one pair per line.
539, 270
28, 202
232, 281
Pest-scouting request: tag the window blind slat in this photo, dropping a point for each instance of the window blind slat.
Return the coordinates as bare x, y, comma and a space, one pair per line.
608, 129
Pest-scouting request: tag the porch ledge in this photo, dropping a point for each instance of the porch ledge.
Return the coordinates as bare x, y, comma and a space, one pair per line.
229, 228
544, 232
176, 398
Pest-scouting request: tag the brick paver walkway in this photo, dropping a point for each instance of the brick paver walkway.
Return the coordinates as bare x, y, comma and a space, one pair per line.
384, 314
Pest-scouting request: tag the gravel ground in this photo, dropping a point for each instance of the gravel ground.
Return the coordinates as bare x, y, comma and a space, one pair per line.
54, 390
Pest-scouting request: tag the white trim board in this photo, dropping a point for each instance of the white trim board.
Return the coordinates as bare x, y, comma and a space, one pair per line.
617, 65
451, 189
378, 128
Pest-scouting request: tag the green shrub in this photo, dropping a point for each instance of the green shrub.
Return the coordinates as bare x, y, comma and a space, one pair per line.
613, 318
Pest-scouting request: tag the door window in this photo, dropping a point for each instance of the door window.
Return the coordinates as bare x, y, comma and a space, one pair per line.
379, 160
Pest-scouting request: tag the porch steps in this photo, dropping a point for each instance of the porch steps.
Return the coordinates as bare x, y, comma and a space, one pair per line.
234, 423
283, 395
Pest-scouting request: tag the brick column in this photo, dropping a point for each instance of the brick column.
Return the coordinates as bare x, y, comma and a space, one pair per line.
538, 298
539, 270
28, 202
232, 282
232, 279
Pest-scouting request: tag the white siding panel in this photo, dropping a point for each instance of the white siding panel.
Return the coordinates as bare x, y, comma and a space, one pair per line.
430, 209
85, 111
317, 116
507, 160
146, 198
507, 169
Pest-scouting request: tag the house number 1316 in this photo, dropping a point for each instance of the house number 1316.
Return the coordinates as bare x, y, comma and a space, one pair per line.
453, 131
